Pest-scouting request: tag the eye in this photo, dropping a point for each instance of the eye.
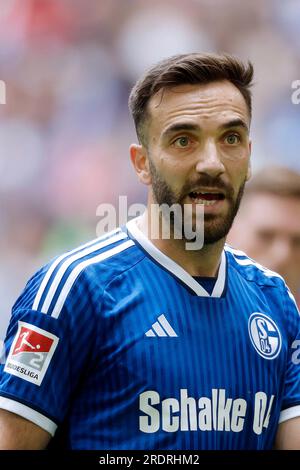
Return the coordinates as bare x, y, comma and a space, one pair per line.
181, 142
232, 139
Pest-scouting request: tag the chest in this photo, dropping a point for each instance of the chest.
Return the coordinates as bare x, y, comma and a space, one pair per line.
174, 340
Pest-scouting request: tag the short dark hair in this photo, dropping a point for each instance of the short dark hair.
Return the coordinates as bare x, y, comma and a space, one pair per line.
277, 180
188, 69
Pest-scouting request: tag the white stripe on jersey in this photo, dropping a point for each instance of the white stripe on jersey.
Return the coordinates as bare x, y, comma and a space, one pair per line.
30, 414
289, 413
79, 268
267, 272
248, 261
293, 299
170, 265
62, 270
92, 244
220, 283
234, 251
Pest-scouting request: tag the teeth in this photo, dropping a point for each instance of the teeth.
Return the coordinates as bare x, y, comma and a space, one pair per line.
205, 202
196, 194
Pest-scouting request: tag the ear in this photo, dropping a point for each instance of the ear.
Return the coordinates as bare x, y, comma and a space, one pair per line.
249, 171
139, 159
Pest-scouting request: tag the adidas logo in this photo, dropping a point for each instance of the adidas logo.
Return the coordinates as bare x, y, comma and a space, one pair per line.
161, 328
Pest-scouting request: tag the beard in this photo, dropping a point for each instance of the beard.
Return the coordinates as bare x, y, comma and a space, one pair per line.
216, 227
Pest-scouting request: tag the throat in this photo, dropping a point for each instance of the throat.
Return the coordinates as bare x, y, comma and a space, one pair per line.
208, 283
197, 263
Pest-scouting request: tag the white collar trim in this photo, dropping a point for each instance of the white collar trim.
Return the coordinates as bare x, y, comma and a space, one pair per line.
174, 268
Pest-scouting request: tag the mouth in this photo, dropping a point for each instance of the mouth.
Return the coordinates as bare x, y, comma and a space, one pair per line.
206, 198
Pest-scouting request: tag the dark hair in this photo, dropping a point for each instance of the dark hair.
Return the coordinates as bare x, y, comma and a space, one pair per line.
189, 69
280, 181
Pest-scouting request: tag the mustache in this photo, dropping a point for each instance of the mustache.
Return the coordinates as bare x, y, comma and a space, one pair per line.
207, 181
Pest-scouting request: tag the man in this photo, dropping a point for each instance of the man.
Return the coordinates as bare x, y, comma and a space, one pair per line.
267, 227
141, 343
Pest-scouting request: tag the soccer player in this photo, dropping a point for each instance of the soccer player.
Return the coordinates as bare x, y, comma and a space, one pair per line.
267, 226
141, 342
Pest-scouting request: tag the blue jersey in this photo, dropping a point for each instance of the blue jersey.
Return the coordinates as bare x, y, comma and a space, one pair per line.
115, 346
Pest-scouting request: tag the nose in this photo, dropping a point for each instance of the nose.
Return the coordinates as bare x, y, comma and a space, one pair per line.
209, 161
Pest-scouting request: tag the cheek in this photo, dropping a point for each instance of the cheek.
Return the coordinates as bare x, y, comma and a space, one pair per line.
237, 172
238, 161
171, 169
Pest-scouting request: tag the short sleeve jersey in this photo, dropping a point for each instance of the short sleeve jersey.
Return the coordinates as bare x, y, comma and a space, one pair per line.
115, 346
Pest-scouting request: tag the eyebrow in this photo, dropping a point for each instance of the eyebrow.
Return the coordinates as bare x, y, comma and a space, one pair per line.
185, 126
235, 123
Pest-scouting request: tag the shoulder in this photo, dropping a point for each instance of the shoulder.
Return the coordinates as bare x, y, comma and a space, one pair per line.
268, 286
251, 270
78, 271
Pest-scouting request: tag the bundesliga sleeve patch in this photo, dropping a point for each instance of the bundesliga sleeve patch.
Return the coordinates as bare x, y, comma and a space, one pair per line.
30, 353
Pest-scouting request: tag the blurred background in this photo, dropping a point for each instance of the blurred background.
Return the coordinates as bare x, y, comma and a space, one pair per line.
69, 65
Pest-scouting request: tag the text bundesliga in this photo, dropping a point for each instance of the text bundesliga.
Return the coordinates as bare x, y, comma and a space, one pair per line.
215, 413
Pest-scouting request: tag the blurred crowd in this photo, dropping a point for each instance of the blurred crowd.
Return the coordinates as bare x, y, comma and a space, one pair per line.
69, 65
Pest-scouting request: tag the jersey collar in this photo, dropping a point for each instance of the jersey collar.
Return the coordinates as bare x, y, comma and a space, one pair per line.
174, 268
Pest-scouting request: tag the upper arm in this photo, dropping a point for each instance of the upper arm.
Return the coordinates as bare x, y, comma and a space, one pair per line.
41, 372
288, 435
17, 433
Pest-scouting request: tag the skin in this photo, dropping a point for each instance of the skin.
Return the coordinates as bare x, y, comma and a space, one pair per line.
186, 159
207, 108
272, 236
17, 433
207, 157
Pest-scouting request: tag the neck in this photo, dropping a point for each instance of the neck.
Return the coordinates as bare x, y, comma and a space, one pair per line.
203, 262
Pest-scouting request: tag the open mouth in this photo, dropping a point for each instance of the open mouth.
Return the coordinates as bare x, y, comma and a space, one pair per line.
206, 198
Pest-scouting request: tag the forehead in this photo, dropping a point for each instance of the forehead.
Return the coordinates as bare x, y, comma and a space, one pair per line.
212, 103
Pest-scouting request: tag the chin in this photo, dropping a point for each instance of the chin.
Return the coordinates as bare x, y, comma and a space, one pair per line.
216, 231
